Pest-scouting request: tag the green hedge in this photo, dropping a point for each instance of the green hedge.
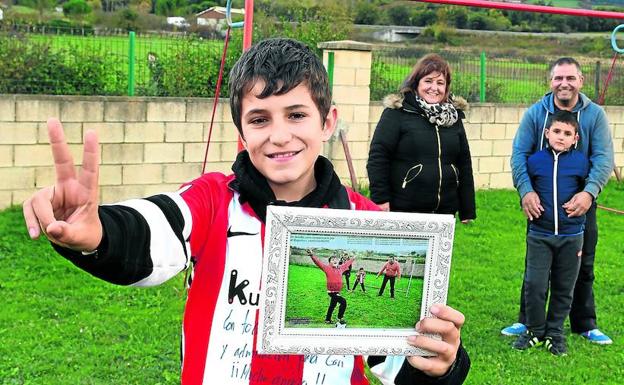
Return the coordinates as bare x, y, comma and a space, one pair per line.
35, 68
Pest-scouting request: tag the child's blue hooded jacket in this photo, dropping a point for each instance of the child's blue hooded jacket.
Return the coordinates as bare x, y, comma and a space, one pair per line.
595, 142
556, 177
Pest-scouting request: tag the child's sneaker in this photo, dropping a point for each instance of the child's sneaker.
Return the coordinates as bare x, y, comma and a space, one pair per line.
597, 337
556, 345
514, 330
328, 321
526, 340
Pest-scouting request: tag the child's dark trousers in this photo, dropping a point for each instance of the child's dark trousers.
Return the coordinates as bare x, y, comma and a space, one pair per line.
336, 299
555, 259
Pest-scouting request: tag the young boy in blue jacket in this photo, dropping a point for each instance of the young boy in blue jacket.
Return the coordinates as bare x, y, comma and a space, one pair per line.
554, 239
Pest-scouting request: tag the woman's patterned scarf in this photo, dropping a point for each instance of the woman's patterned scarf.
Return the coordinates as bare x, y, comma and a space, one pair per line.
440, 114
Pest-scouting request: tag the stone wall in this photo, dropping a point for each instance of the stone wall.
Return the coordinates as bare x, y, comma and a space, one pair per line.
150, 145
147, 145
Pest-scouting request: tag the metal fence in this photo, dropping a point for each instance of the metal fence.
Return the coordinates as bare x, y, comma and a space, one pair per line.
55, 60
84, 61
505, 80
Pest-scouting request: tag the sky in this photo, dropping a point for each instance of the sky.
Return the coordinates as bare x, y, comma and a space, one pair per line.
359, 243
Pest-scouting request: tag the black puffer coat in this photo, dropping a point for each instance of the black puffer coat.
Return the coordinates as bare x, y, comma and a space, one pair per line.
417, 166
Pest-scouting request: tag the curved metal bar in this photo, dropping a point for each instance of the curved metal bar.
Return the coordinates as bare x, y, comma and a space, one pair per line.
614, 42
228, 16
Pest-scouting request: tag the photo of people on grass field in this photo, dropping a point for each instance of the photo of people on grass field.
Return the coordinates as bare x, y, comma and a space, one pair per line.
317, 295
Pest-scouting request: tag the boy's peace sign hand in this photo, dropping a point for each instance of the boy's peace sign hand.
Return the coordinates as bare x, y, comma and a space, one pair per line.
67, 212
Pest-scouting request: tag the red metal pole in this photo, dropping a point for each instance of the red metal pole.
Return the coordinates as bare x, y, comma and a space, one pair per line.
248, 28
531, 8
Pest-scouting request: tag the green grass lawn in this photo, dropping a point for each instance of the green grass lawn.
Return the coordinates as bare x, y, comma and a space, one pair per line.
307, 300
60, 326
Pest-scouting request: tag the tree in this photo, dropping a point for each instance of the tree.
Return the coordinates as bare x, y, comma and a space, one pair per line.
128, 19
399, 15
141, 6
43, 5
76, 7
167, 7
366, 13
113, 5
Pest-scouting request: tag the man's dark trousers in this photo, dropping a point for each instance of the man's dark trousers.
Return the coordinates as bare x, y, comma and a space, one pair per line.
383, 285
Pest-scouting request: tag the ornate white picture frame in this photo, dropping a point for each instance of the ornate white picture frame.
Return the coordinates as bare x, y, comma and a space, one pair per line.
299, 285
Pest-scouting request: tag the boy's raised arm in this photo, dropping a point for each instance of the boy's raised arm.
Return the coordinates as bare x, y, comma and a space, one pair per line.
67, 212
315, 259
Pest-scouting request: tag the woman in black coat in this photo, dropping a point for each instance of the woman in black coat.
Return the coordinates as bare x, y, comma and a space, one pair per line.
419, 159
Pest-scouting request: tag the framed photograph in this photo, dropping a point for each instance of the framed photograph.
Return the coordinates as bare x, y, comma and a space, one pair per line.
350, 282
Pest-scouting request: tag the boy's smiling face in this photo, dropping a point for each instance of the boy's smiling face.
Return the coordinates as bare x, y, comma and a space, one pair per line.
284, 135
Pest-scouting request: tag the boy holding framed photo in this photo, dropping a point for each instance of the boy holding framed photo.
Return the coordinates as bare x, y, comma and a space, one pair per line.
281, 105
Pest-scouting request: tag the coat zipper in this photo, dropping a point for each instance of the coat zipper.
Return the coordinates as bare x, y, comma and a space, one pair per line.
439, 159
555, 204
439, 167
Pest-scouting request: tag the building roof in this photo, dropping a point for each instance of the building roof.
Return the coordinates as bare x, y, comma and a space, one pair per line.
214, 12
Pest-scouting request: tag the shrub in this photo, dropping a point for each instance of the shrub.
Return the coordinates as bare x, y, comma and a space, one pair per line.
382, 83
441, 33
366, 13
191, 72
76, 7
68, 27
468, 87
36, 68
327, 23
128, 19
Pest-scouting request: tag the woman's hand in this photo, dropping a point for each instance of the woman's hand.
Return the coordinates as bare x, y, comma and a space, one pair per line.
384, 206
448, 325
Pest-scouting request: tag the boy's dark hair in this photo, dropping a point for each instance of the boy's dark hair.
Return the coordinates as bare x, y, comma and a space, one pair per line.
282, 64
566, 117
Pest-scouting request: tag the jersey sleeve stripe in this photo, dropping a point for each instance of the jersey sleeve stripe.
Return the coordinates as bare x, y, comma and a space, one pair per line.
167, 251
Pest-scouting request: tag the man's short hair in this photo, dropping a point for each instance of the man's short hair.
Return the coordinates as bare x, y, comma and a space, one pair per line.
566, 117
565, 60
282, 64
